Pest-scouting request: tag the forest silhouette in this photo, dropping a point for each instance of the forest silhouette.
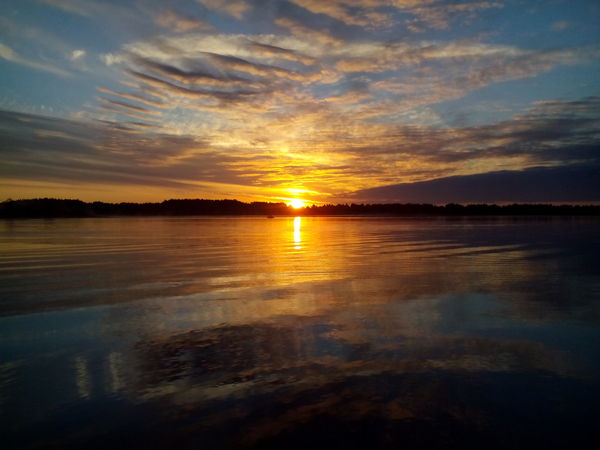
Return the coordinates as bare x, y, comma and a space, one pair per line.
51, 207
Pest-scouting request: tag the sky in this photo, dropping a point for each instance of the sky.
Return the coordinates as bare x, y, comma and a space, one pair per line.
318, 100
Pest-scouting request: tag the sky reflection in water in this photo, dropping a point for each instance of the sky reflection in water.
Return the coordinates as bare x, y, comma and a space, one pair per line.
299, 332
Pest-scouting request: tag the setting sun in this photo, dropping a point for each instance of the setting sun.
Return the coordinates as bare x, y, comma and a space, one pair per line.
297, 203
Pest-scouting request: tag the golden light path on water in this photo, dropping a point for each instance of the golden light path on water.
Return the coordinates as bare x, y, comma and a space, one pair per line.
297, 233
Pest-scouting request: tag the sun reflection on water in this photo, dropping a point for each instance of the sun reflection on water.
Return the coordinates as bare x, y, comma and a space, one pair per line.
297, 233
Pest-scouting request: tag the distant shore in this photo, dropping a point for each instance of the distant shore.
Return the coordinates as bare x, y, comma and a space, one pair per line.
54, 208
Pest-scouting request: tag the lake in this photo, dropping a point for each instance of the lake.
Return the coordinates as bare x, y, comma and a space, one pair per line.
308, 332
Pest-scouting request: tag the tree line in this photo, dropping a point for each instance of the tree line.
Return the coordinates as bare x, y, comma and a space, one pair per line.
51, 207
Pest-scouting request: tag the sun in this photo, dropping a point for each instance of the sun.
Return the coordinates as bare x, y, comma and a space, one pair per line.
297, 203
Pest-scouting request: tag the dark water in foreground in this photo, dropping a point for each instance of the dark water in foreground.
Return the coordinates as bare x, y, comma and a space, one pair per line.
299, 333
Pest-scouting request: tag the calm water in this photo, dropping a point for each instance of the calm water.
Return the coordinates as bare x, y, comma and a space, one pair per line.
299, 333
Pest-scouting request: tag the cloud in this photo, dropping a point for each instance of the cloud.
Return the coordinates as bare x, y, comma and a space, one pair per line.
10, 55
39, 48
121, 111
266, 50
439, 16
128, 106
43, 149
350, 12
574, 183
136, 97
19, 32
301, 31
254, 61
234, 8
373, 14
95, 8
317, 146
466, 67
174, 91
177, 22
216, 72
302, 78
109, 59
551, 134
77, 55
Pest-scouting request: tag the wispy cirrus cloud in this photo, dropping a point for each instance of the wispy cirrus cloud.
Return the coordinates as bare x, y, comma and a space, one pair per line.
9, 54
249, 71
378, 13
234, 8
94, 8
118, 110
77, 55
128, 106
34, 47
136, 97
440, 15
351, 12
180, 23
302, 31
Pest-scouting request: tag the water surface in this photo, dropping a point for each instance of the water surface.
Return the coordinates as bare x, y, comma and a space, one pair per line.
299, 333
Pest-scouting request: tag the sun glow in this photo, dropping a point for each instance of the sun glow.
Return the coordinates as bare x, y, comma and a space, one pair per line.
297, 203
